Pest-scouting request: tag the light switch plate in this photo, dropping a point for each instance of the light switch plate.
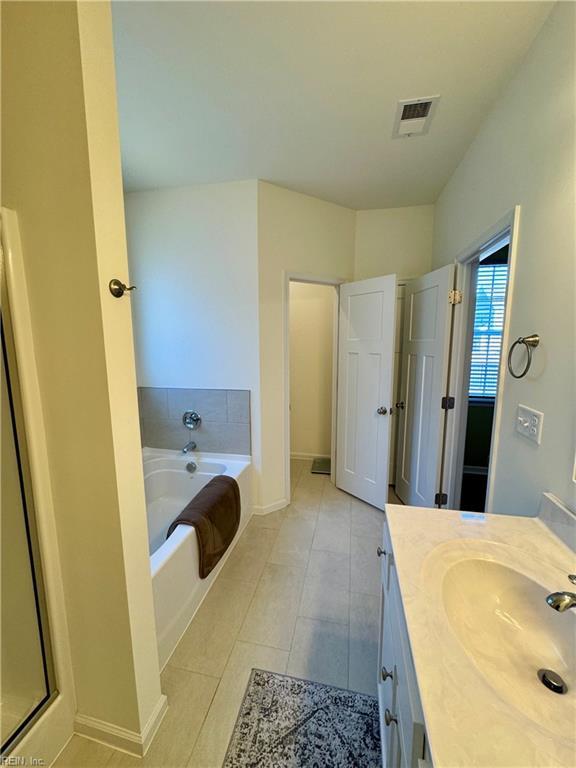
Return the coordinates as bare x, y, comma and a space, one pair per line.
529, 423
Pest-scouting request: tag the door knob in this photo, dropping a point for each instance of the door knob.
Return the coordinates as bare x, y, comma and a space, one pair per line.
400, 405
382, 411
389, 718
380, 551
117, 288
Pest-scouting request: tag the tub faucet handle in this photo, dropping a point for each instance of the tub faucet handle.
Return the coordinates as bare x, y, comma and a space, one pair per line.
191, 420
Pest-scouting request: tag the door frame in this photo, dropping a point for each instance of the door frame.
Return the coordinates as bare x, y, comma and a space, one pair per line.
330, 281
456, 420
401, 282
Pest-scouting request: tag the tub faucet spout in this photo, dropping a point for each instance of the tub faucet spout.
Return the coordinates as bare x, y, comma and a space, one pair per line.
191, 446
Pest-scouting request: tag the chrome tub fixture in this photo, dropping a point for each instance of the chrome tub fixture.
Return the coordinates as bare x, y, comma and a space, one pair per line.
191, 420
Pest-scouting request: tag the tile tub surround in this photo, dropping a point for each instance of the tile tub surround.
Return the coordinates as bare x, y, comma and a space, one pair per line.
225, 414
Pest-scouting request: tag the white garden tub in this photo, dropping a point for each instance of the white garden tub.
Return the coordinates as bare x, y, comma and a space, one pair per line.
178, 588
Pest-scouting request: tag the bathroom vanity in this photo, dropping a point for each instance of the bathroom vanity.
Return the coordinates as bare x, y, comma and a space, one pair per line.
465, 631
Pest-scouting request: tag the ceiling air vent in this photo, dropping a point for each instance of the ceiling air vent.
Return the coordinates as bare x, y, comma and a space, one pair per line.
413, 116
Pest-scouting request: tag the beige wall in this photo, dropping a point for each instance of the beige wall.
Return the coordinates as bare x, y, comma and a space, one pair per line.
394, 240
311, 347
524, 154
61, 173
194, 257
296, 233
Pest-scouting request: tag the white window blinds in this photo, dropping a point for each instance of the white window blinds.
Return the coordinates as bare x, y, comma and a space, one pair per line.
488, 325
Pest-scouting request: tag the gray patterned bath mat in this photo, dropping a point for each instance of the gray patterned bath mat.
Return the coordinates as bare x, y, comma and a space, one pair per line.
285, 722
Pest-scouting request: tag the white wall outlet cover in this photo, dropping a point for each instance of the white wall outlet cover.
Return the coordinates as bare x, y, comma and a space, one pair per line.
529, 423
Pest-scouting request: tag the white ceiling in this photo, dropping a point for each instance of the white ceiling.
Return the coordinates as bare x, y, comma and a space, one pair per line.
303, 94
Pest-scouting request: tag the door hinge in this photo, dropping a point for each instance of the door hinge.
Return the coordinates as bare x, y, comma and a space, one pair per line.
447, 403
454, 296
440, 499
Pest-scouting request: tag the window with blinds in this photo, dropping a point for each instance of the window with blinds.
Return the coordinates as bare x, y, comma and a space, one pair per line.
488, 325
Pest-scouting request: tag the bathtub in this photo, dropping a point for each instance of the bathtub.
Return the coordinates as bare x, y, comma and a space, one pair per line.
177, 586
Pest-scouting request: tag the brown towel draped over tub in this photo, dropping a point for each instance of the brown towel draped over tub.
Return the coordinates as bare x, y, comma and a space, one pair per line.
215, 513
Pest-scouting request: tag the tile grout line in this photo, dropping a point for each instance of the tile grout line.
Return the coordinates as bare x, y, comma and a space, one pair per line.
306, 569
236, 641
192, 671
342, 624
208, 708
350, 598
349, 624
303, 580
256, 588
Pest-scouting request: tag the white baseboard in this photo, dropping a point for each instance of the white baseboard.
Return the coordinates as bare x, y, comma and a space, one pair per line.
274, 507
121, 738
309, 456
154, 721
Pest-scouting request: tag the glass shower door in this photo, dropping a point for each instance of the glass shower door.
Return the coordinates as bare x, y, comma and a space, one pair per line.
26, 680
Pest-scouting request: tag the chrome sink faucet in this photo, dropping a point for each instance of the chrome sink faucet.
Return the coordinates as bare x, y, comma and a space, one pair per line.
191, 446
562, 601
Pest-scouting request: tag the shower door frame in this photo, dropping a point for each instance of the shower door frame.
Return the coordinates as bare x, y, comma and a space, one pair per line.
48, 731
34, 562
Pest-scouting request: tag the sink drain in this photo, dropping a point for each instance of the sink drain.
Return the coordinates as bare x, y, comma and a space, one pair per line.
552, 681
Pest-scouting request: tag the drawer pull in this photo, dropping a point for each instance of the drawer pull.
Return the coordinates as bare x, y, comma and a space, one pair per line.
389, 717
385, 674
380, 552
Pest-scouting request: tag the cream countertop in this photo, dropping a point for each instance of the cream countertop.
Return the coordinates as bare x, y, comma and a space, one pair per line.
511, 720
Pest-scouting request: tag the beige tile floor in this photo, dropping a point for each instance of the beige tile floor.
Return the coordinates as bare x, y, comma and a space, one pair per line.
299, 594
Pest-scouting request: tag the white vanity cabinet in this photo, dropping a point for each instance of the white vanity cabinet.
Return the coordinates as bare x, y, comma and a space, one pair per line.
401, 718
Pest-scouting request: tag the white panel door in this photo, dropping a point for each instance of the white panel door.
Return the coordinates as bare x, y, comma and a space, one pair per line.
425, 357
365, 369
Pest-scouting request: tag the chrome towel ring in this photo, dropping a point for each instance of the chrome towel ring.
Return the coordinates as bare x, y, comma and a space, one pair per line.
530, 342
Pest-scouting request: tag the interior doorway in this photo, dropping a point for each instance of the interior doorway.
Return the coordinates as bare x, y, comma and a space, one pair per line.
311, 334
361, 380
455, 339
485, 322
310, 365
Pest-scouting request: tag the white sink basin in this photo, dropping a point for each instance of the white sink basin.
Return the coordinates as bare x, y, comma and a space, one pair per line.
503, 623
